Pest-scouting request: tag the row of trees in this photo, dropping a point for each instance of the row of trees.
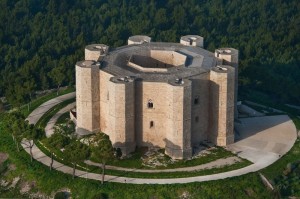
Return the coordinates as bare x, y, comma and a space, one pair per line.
75, 152
41, 41
21, 131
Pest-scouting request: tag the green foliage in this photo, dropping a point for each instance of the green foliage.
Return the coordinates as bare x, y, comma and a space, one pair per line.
246, 186
63, 118
76, 152
288, 183
57, 141
43, 40
66, 129
102, 149
60, 195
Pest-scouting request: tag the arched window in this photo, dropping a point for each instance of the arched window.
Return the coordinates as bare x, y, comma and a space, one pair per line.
150, 104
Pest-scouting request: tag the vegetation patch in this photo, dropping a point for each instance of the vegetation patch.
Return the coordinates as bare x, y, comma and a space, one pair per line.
64, 118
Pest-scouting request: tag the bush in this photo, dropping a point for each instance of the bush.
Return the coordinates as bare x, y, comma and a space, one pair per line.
100, 196
61, 195
3, 166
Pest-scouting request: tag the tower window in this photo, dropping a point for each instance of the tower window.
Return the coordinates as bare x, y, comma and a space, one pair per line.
196, 100
151, 124
107, 97
150, 104
197, 119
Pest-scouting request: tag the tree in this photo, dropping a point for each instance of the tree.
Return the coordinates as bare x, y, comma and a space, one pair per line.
76, 152
56, 141
102, 150
1, 106
58, 76
14, 124
32, 134
29, 86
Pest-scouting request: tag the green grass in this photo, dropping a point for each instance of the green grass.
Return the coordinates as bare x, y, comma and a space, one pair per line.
37, 102
135, 160
292, 156
95, 169
63, 118
247, 186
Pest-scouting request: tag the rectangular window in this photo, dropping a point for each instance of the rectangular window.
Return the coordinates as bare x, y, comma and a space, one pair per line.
196, 100
196, 119
151, 124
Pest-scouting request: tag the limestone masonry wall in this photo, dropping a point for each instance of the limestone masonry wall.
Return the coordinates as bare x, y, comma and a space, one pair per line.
175, 107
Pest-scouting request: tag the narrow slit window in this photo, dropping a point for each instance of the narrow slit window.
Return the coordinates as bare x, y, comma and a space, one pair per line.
196, 100
151, 124
196, 119
150, 104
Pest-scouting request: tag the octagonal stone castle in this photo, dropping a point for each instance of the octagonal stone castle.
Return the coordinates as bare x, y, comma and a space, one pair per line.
156, 94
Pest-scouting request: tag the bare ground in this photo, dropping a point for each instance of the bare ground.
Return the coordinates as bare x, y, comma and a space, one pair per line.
3, 157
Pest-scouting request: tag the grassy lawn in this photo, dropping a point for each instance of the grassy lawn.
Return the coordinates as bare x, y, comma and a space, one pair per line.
37, 102
47, 182
63, 118
59, 157
135, 160
293, 155
246, 186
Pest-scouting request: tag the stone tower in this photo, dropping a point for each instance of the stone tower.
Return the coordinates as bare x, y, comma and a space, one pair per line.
222, 105
87, 96
230, 56
122, 112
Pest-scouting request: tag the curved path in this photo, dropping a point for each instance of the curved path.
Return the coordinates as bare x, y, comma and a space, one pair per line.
34, 117
261, 140
49, 129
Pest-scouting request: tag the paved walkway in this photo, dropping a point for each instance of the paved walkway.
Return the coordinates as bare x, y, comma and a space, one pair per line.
214, 164
261, 140
49, 129
34, 117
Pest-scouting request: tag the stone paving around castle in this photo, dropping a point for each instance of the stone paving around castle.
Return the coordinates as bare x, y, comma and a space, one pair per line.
262, 140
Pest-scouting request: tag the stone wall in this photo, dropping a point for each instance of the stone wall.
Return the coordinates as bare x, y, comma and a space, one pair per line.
221, 105
200, 108
158, 94
87, 95
230, 56
178, 141
122, 114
